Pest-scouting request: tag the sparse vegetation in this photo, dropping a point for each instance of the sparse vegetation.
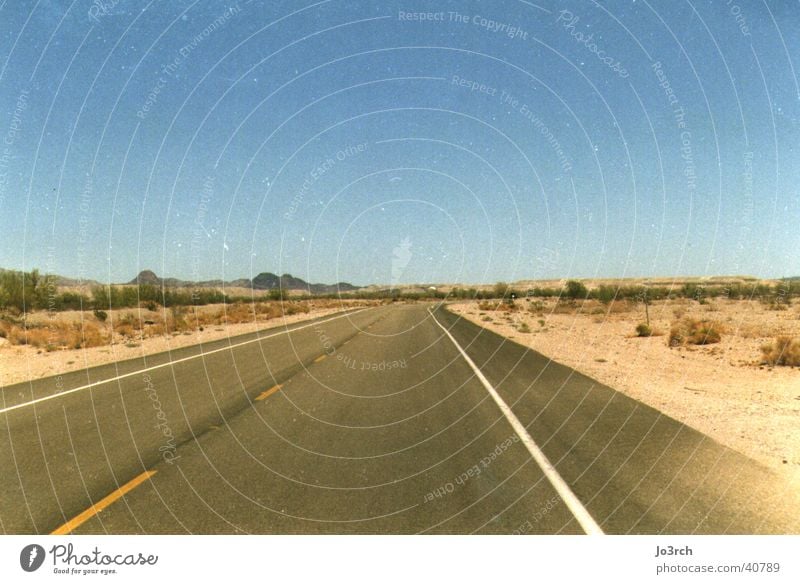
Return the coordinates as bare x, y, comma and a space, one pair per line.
643, 330
576, 290
690, 331
524, 328
784, 350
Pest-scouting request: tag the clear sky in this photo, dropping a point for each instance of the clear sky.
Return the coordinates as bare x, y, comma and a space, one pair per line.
366, 142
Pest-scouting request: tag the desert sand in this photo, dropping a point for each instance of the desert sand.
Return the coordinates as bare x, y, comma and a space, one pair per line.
720, 389
23, 362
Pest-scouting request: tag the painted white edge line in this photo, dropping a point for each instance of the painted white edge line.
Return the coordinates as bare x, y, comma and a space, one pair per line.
201, 354
572, 502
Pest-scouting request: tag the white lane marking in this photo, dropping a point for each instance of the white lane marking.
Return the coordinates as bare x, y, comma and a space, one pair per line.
203, 354
572, 502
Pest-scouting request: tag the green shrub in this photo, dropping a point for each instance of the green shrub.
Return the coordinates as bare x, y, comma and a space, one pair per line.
643, 330
575, 290
100, 315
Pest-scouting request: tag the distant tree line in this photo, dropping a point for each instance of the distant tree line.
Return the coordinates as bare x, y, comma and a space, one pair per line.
27, 291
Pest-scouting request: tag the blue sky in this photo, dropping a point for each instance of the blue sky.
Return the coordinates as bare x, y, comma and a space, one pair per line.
499, 140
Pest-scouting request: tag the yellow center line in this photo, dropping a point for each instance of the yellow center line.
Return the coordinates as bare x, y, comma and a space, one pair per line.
320, 358
73, 523
269, 392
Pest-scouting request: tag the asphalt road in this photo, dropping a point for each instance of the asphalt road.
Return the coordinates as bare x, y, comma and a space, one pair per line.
386, 420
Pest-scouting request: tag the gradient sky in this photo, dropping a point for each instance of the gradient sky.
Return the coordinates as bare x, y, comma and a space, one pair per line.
316, 138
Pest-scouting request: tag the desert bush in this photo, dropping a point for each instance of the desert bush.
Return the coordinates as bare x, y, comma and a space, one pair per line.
643, 330
694, 332
124, 329
524, 328
536, 307
575, 290
564, 308
92, 336
57, 335
619, 307
100, 315
155, 330
605, 294
500, 290
498, 306
294, 308
784, 350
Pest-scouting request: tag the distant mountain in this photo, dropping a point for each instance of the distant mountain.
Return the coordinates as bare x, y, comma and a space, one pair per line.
263, 281
146, 277
61, 280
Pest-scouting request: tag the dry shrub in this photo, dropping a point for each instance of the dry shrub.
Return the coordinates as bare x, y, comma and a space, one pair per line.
155, 330
124, 329
295, 308
498, 306
690, 331
35, 337
92, 336
755, 331
783, 351
5, 328
562, 307
536, 307
57, 335
619, 307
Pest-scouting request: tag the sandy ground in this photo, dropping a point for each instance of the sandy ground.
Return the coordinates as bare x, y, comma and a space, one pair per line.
21, 363
720, 389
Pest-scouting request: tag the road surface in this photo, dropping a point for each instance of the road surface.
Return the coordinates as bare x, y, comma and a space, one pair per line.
394, 419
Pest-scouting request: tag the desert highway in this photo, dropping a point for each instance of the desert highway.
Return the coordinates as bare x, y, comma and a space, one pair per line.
393, 419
